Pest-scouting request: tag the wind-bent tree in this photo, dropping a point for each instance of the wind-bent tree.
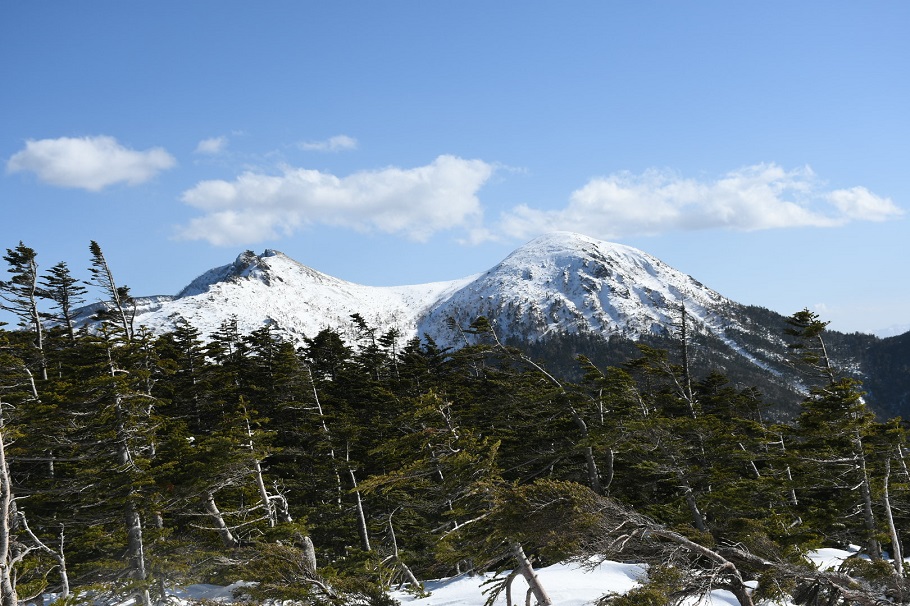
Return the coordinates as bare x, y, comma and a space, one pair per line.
20, 295
681, 568
117, 508
122, 307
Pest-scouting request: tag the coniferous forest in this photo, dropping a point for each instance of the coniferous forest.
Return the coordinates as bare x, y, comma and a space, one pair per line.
330, 472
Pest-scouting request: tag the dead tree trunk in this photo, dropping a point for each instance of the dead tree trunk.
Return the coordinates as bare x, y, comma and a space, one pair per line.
361, 517
896, 552
227, 537
58, 555
872, 544
328, 436
527, 571
135, 547
735, 582
698, 519
136, 552
396, 557
8, 595
686, 387
257, 473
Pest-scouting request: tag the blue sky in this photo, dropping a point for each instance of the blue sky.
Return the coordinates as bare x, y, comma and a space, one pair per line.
760, 147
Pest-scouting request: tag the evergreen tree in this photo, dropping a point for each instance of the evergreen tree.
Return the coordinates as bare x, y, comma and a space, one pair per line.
422, 366
181, 353
438, 475
713, 470
115, 449
20, 295
65, 292
37, 430
833, 427
119, 306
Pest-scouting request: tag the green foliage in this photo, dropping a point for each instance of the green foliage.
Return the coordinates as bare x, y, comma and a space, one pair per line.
65, 293
661, 587
550, 518
875, 571
281, 572
774, 587
228, 452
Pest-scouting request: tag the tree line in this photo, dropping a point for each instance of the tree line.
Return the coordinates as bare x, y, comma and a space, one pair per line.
329, 472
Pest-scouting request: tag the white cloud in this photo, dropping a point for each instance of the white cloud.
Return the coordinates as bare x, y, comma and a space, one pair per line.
212, 146
414, 202
763, 196
861, 204
90, 163
332, 144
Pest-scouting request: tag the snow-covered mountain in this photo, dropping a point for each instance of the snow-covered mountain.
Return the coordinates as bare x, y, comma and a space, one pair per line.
558, 283
568, 283
272, 288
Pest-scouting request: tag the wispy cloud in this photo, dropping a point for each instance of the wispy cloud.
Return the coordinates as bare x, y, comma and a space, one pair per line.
212, 146
763, 196
90, 163
414, 203
332, 144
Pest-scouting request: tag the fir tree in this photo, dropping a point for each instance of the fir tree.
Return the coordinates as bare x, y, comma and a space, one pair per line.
833, 426
115, 444
20, 295
65, 292
119, 305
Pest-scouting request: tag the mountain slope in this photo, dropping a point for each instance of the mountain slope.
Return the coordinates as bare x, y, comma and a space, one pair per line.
568, 283
300, 301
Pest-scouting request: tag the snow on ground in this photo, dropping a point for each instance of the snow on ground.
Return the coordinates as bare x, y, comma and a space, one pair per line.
567, 585
830, 558
574, 585
200, 592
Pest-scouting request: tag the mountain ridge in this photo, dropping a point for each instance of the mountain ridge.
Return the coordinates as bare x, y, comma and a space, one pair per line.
272, 288
557, 283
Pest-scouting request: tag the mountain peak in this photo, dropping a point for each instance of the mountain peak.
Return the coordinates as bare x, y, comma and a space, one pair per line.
270, 265
248, 260
564, 282
565, 239
561, 246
